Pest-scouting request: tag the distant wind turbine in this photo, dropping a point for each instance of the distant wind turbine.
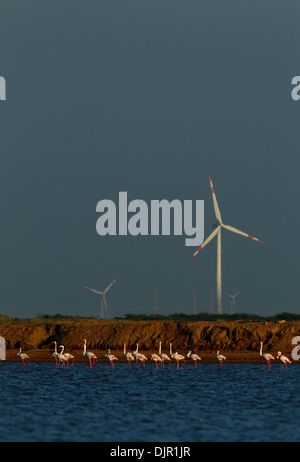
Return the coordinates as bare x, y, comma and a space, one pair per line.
103, 299
232, 303
217, 232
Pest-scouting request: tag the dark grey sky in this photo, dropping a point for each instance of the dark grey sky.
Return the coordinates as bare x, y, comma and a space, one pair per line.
148, 97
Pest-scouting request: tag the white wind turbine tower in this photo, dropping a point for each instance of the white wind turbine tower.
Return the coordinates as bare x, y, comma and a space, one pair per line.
103, 299
232, 303
217, 232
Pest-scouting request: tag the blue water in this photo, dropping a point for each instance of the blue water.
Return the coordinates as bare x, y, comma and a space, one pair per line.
238, 403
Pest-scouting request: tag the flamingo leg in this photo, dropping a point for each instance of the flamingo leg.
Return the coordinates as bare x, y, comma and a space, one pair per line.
183, 364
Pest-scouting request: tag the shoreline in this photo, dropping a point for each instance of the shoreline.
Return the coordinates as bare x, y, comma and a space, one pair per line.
239, 342
207, 357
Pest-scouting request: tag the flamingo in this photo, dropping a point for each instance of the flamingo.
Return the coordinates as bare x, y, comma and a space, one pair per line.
23, 356
284, 359
111, 358
59, 358
156, 358
163, 356
88, 354
139, 356
267, 356
194, 357
220, 358
68, 356
128, 356
54, 354
177, 357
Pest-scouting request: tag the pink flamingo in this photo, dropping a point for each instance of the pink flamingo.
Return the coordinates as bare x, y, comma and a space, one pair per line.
54, 354
177, 357
111, 359
267, 356
193, 357
284, 359
139, 356
59, 358
89, 355
220, 358
68, 356
164, 357
157, 359
23, 356
128, 356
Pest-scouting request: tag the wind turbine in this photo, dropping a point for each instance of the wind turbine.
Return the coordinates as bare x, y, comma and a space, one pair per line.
232, 304
103, 299
217, 232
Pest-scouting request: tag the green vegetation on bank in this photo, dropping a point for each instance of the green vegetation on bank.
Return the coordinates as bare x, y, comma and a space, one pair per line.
45, 319
176, 317
212, 317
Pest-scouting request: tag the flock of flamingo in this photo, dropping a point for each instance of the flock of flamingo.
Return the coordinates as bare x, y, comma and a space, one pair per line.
62, 358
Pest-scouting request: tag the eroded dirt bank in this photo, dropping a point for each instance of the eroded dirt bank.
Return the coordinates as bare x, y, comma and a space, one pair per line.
239, 340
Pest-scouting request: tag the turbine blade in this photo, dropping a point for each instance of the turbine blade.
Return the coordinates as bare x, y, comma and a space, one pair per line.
237, 231
94, 290
210, 237
109, 286
105, 305
216, 207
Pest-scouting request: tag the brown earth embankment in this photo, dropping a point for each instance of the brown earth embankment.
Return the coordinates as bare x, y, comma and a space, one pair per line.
238, 339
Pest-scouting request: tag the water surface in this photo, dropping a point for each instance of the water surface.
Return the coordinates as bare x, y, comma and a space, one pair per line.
238, 403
